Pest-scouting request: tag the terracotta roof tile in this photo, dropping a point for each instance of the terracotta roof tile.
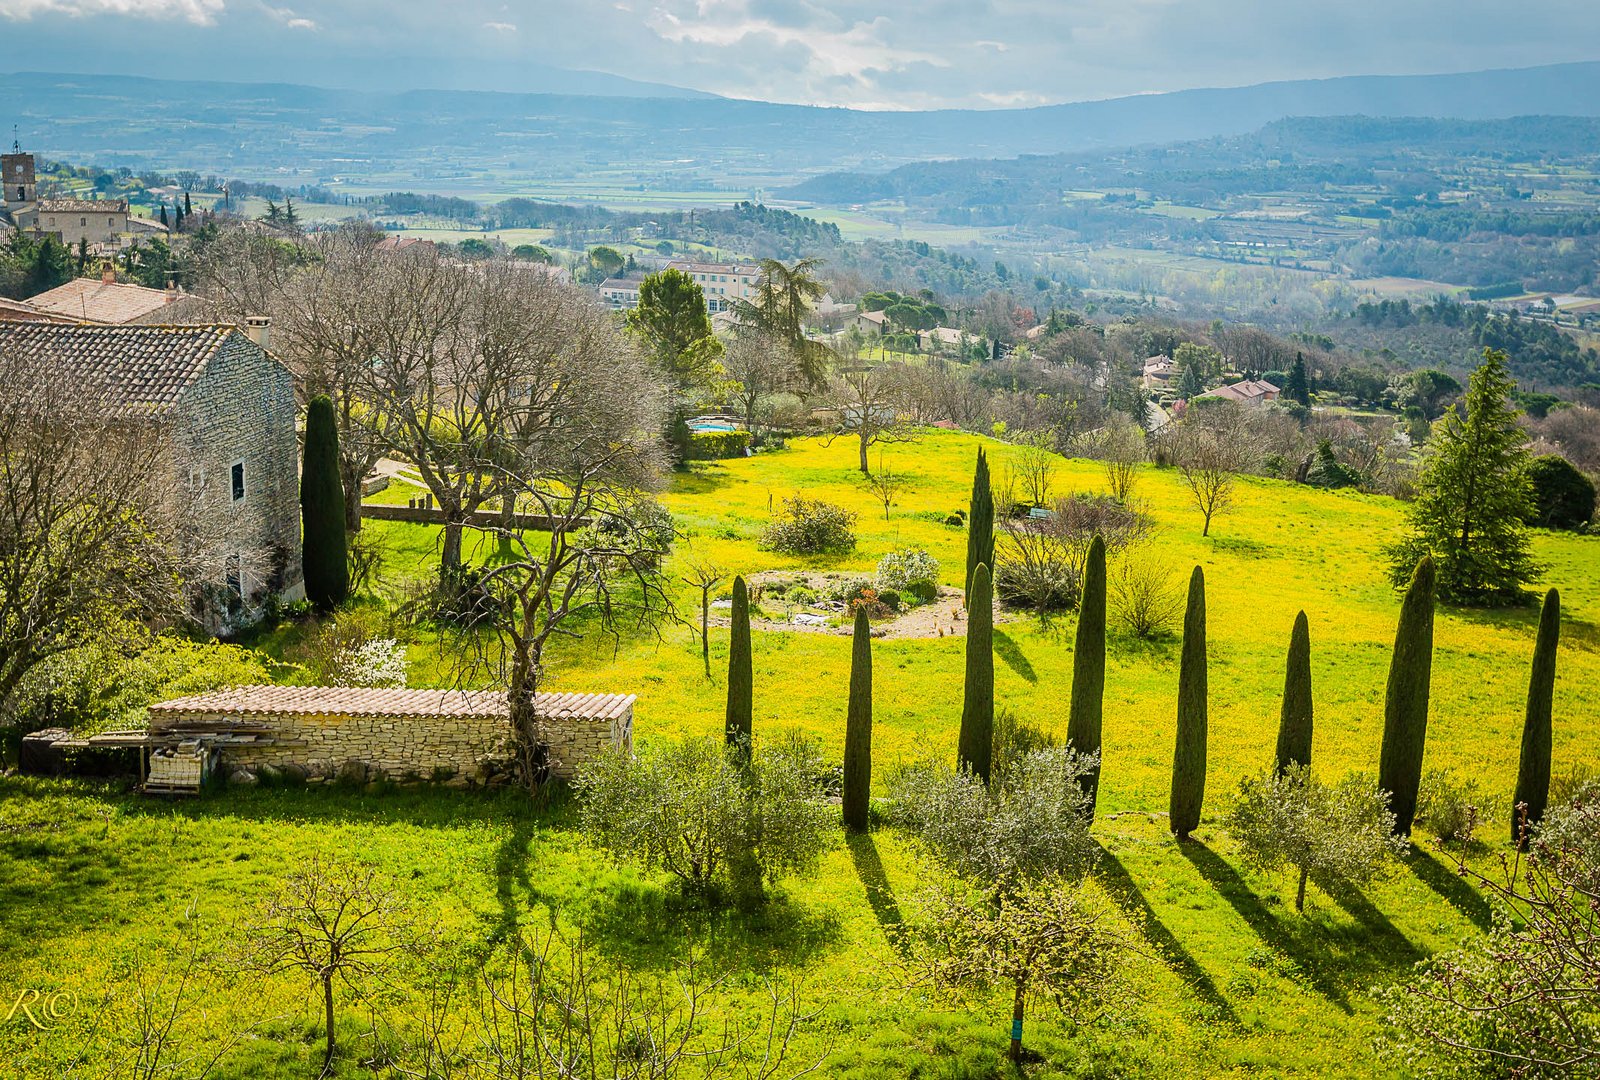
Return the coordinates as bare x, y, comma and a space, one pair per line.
94, 300
124, 367
83, 206
366, 701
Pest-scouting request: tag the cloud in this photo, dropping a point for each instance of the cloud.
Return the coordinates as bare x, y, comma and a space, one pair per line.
199, 12
501, 27
289, 19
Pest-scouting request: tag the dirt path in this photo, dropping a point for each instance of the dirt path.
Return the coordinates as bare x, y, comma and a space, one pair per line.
944, 617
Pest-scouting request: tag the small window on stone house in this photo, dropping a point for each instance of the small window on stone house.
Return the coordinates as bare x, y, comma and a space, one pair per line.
237, 476
83, 221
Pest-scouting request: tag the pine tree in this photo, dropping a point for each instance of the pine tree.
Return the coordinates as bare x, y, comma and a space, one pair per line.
1190, 384
1294, 725
1533, 772
1089, 666
741, 681
858, 728
1473, 495
1405, 707
980, 523
324, 557
975, 744
1299, 388
1189, 755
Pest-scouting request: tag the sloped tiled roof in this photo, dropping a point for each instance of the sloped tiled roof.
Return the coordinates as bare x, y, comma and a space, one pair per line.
19, 311
94, 300
250, 701
123, 367
83, 206
1248, 390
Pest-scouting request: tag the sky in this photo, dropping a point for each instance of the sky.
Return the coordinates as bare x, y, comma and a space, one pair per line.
853, 53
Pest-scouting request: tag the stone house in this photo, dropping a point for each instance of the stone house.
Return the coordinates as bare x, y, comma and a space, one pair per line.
103, 225
225, 412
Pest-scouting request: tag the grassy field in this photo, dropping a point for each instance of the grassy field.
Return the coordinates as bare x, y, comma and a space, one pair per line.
1232, 981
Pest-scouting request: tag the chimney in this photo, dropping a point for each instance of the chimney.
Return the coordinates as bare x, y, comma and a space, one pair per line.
108, 273
256, 328
172, 290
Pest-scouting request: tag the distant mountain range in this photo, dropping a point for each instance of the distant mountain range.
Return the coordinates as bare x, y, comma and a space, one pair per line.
470, 141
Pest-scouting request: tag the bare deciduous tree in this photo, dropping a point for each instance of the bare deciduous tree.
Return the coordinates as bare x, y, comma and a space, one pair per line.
762, 365
704, 574
1211, 447
1122, 452
885, 484
334, 923
866, 400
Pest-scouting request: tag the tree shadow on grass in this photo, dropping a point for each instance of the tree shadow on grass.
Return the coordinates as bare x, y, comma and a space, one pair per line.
1119, 884
651, 925
1309, 954
880, 895
1455, 889
698, 479
1007, 649
511, 875
1376, 933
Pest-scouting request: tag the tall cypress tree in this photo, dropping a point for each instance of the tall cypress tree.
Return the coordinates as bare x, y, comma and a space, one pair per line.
741, 682
1089, 666
1405, 707
1299, 387
1533, 772
976, 743
1189, 755
1294, 725
858, 728
323, 553
980, 523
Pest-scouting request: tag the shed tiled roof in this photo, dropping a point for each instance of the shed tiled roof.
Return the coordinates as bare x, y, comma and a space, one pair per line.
247, 701
94, 300
123, 367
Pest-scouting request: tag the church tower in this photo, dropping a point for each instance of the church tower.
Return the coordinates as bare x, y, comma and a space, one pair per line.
16, 174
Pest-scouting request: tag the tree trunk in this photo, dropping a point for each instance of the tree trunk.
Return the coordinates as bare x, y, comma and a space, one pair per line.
450, 551
1300, 894
705, 627
532, 755
866, 440
327, 1009
351, 475
1016, 1025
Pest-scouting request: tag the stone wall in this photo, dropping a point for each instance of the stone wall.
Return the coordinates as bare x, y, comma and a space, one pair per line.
460, 749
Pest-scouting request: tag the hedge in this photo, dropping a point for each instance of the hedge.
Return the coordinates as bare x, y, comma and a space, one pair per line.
716, 445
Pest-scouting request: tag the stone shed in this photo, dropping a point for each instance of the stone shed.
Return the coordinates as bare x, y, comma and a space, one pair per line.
432, 734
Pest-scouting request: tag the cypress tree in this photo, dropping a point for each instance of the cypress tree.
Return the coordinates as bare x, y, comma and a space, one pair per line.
1189, 755
1533, 773
858, 728
1294, 725
741, 683
164, 221
1089, 666
975, 745
327, 571
980, 523
1405, 707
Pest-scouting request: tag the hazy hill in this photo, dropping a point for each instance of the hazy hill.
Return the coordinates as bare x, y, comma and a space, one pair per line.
462, 140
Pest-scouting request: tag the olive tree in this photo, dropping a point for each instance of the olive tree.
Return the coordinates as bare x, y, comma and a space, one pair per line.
1342, 831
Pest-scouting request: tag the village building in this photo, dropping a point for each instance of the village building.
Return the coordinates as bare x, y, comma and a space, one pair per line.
225, 413
871, 322
1250, 392
1158, 372
723, 283
621, 293
100, 225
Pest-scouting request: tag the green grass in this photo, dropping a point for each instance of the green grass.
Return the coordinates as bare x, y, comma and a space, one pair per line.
1234, 982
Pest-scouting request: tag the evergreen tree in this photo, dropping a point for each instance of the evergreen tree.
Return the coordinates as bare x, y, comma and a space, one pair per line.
975, 744
1405, 706
324, 557
1190, 384
741, 681
858, 727
291, 217
1473, 495
188, 210
1294, 725
1533, 772
164, 221
1299, 388
1089, 666
1189, 755
980, 523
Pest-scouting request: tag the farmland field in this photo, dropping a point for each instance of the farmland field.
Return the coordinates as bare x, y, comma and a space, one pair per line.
99, 885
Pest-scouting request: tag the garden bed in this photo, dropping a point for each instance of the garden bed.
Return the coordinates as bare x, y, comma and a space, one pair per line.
777, 597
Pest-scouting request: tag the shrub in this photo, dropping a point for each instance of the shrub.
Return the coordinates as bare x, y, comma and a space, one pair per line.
1452, 807
1035, 570
899, 569
923, 592
358, 648
1563, 498
889, 599
810, 527
1145, 599
690, 809
869, 601
717, 445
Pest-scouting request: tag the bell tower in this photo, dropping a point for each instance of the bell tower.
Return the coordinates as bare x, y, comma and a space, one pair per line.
16, 176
